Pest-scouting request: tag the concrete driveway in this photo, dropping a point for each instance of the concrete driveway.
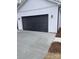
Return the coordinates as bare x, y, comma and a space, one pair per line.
33, 45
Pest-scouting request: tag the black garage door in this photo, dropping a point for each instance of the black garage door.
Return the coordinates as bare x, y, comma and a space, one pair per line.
35, 23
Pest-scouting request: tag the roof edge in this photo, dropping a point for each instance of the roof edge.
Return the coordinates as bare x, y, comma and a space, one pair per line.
21, 4
53, 1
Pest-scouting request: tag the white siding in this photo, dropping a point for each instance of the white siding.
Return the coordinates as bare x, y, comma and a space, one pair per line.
35, 4
39, 7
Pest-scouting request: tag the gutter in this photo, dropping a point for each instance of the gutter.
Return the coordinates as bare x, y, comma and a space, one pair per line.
55, 1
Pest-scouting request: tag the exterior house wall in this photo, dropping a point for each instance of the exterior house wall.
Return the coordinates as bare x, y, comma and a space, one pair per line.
39, 7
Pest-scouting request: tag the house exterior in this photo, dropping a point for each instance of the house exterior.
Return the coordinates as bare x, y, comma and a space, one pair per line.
39, 15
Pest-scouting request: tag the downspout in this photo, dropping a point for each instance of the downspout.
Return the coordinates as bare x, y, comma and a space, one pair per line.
58, 17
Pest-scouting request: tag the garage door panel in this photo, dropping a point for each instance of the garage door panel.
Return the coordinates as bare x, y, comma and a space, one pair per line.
35, 23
